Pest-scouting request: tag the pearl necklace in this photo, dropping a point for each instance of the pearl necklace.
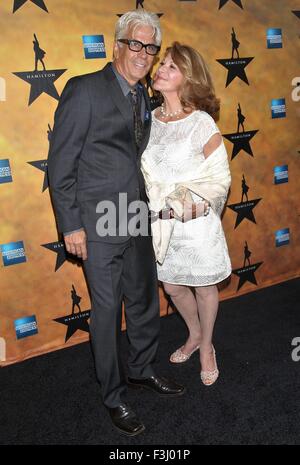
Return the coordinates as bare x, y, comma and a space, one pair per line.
164, 114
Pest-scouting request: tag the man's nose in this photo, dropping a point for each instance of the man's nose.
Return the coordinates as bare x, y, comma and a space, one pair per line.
142, 53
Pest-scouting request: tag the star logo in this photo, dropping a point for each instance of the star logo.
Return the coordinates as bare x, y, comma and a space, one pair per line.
158, 14
247, 273
43, 166
235, 65
62, 255
244, 209
39, 3
240, 140
75, 321
40, 81
296, 13
236, 68
139, 3
237, 2
59, 248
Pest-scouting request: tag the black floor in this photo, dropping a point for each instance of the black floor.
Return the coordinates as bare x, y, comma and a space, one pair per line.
54, 399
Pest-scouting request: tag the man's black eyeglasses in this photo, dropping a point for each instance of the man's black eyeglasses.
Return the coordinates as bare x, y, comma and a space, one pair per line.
137, 46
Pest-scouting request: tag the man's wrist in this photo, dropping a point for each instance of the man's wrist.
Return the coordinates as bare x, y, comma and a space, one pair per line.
71, 232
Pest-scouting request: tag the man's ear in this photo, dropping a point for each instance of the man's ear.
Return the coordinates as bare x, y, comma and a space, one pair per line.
116, 50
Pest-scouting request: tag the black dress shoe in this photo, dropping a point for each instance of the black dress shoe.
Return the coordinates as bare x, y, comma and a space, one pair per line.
125, 420
162, 386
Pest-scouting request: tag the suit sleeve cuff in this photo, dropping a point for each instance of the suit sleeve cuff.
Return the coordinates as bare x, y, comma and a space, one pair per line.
71, 232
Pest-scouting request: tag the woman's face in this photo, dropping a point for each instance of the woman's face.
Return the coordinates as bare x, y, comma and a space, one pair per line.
168, 77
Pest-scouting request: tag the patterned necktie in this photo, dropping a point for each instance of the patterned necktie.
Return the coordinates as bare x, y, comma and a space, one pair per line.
137, 121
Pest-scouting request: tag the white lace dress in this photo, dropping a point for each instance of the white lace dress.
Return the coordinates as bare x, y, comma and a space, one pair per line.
197, 254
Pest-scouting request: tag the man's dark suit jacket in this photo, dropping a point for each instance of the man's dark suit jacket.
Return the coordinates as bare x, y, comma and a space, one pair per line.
93, 156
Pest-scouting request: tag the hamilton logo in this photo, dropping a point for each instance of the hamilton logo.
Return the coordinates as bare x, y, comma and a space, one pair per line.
241, 138
62, 255
42, 165
247, 272
235, 65
75, 321
244, 209
139, 3
237, 2
19, 3
59, 248
40, 81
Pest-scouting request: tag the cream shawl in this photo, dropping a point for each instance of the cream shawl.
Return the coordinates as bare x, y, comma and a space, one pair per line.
211, 182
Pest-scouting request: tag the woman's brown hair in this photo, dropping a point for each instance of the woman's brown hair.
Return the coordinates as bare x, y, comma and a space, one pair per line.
198, 90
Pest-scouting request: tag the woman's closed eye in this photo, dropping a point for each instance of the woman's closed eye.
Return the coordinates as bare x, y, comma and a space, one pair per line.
171, 65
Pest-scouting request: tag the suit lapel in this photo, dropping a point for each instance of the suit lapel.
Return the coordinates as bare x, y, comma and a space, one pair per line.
147, 123
120, 101
124, 107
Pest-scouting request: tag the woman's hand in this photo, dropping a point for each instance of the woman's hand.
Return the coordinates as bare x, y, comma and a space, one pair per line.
192, 210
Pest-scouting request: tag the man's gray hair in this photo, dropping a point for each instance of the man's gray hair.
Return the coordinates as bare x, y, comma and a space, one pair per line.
138, 18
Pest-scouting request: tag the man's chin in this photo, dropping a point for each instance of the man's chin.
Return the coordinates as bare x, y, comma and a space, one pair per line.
140, 72
143, 74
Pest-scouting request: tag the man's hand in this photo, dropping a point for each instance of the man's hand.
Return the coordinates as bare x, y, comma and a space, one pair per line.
76, 244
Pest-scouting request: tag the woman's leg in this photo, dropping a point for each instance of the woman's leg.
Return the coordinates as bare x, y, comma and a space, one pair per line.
208, 302
186, 304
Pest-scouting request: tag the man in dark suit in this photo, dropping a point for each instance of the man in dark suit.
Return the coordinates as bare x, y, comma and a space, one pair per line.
102, 126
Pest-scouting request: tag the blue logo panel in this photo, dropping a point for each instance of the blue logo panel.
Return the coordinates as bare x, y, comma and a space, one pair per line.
94, 46
281, 174
274, 38
26, 326
13, 253
5, 171
282, 237
278, 108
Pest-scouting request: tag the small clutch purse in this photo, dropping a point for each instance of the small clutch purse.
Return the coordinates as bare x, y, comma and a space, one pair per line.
176, 200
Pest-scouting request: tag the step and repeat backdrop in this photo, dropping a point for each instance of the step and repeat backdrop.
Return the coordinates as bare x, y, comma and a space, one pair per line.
252, 49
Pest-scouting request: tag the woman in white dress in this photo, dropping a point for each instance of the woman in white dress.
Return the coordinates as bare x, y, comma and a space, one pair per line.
187, 180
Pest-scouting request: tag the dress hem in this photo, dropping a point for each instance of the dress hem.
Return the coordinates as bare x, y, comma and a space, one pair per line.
197, 285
